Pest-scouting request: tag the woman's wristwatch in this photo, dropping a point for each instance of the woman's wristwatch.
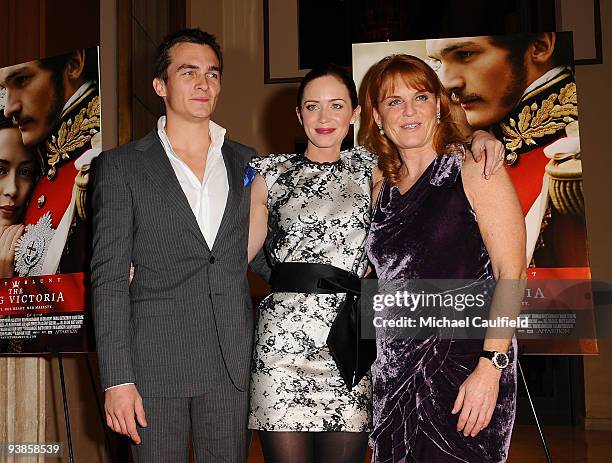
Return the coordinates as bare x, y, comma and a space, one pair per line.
499, 359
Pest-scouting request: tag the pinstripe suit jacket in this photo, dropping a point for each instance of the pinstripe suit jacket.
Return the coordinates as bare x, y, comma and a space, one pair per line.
186, 317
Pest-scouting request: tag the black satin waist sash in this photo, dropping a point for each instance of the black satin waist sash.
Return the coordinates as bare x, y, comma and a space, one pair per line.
352, 354
302, 277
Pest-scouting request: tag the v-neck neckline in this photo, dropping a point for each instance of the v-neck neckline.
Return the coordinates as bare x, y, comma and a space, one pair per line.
418, 180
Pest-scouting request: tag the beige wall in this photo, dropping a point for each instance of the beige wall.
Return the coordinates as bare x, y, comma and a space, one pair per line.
262, 116
256, 114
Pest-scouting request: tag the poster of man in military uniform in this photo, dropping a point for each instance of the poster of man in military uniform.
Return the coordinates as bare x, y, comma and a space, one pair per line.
54, 104
521, 87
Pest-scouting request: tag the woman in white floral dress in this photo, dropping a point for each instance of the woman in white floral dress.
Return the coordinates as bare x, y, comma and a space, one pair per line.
314, 208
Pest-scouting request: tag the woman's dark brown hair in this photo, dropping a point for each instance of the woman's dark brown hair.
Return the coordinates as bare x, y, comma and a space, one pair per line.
6, 123
377, 84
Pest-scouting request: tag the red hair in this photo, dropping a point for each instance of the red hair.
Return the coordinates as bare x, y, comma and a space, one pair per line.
377, 84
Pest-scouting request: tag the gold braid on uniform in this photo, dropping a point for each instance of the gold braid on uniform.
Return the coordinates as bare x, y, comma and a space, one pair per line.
73, 135
540, 118
540, 115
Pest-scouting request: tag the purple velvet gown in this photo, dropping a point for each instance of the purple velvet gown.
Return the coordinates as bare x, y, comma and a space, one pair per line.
430, 232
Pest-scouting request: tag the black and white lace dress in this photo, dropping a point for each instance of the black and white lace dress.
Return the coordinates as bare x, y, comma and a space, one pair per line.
318, 213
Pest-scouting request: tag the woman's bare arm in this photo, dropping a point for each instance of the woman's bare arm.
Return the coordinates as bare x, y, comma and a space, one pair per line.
258, 221
502, 227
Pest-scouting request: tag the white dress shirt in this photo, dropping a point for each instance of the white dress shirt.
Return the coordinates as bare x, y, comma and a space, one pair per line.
207, 199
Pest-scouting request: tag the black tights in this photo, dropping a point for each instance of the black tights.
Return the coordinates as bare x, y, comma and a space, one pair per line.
313, 447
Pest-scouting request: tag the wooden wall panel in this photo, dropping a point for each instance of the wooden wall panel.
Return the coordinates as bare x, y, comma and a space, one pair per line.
69, 25
22, 401
4, 32
32, 29
143, 24
20, 33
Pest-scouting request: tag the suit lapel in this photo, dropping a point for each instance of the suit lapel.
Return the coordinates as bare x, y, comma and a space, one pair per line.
159, 170
235, 181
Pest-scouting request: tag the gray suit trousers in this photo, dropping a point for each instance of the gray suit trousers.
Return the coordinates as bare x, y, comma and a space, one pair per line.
216, 421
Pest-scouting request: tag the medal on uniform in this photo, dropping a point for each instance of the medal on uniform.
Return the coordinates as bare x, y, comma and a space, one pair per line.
31, 248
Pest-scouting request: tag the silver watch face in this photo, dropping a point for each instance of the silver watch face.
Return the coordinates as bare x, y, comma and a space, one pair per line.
500, 360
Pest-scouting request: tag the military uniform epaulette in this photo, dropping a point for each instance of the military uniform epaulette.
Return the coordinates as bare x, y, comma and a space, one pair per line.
539, 117
78, 124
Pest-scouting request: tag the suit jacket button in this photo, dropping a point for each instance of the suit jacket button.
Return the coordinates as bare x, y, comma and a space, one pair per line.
211, 259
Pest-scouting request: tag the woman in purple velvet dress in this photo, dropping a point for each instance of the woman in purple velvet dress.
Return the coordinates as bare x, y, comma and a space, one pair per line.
438, 398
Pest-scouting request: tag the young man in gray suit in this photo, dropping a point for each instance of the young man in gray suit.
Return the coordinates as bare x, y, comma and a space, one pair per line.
174, 345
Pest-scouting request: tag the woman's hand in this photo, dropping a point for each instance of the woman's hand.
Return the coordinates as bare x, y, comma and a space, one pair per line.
493, 150
477, 398
8, 239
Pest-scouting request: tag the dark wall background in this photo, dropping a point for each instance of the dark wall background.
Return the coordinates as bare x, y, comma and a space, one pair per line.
362, 21
33, 29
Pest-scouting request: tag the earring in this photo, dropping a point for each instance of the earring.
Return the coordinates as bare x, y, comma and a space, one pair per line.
381, 131
438, 114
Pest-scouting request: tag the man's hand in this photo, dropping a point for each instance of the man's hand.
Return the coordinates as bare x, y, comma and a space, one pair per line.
477, 398
122, 404
493, 150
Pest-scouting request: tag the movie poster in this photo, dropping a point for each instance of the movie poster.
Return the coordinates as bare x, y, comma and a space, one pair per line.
50, 134
530, 103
